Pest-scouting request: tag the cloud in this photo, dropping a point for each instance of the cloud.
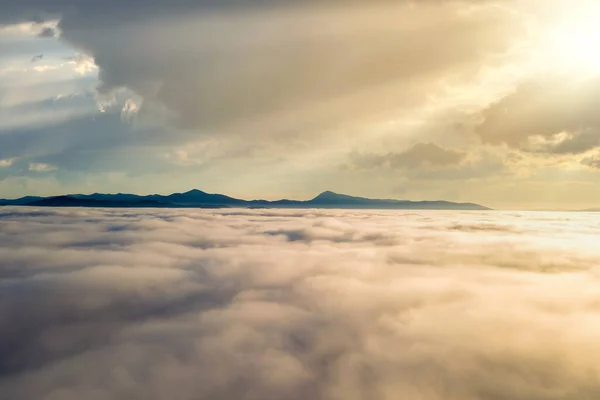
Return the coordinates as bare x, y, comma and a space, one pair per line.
592, 161
232, 89
257, 66
81, 139
38, 10
41, 167
427, 165
204, 304
257, 98
421, 154
554, 115
47, 32
7, 162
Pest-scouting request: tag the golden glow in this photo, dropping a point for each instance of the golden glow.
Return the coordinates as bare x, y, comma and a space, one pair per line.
572, 43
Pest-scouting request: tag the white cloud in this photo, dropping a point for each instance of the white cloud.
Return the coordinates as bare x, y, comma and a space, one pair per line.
27, 29
41, 167
297, 304
7, 162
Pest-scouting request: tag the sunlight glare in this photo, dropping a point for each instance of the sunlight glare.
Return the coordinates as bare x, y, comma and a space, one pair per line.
573, 43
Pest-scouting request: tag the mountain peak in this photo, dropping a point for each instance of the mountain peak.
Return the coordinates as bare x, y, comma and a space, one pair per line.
198, 198
328, 195
195, 191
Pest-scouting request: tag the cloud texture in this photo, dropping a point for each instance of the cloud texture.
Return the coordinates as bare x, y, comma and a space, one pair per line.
558, 111
462, 100
246, 66
240, 304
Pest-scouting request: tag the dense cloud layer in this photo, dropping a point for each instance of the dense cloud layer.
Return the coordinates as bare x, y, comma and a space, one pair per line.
241, 304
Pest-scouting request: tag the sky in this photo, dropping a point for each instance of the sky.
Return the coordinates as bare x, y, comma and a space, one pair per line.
490, 101
139, 304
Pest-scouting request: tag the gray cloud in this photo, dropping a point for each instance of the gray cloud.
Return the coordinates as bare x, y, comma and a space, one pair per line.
592, 161
196, 304
419, 155
38, 10
86, 142
256, 66
47, 32
558, 110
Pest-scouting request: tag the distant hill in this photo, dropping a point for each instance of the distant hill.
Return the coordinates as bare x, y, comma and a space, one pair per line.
74, 201
199, 199
19, 202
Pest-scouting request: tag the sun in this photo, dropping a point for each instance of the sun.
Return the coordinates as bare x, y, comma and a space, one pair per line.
572, 43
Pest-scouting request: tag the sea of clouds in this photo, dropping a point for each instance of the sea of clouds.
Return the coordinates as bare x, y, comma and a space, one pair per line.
298, 304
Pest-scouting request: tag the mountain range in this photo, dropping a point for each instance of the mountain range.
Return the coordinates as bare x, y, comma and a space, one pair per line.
199, 199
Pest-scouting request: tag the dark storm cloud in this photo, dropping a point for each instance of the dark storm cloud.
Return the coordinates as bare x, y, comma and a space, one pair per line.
196, 304
250, 63
15, 11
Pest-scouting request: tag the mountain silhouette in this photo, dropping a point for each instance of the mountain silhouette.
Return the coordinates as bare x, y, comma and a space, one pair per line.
196, 196
198, 199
